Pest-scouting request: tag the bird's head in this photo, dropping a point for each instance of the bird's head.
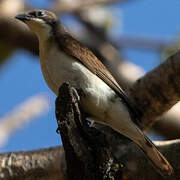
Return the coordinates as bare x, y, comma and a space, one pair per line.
41, 22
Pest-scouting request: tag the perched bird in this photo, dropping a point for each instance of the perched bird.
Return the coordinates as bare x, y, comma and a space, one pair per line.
64, 59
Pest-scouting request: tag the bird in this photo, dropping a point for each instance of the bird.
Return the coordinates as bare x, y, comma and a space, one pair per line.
64, 59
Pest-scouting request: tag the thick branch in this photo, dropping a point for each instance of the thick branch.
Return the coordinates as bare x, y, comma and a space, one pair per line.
169, 123
17, 35
40, 164
143, 43
138, 168
158, 90
88, 154
101, 147
50, 164
62, 6
85, 155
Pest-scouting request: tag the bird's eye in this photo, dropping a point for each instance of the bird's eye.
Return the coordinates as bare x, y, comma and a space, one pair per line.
40, 14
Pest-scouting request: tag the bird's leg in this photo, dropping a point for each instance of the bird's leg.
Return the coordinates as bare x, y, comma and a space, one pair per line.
90, 122
87, 120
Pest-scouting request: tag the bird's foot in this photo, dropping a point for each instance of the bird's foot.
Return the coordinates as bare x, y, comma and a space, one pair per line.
90, 122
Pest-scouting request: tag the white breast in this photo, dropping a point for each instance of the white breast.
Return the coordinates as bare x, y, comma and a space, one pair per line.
58, 68
55, 67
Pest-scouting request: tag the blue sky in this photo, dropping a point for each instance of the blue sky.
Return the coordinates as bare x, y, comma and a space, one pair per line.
21, 77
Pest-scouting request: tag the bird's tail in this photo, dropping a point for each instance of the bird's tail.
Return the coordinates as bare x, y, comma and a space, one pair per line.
153, 154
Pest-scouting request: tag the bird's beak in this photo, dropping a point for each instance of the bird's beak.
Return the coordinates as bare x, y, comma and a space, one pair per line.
23, 17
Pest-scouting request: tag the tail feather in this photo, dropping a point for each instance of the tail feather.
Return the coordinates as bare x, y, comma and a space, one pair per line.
153, 154
130, 130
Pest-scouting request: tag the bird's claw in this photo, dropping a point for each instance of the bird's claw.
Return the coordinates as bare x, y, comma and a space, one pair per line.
90, 123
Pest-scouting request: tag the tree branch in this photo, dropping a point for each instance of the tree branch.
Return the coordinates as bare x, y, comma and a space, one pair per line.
158, 90
61, 6
49, 163
39, 164
90, 153
18, 35
169, 124
44, 164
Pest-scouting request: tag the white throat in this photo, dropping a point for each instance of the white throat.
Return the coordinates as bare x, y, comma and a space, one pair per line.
41, 29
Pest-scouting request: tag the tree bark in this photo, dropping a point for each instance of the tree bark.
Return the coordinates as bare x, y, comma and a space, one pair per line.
49, 163
99, 153
152, 94
89, 153
61, 6
158, 90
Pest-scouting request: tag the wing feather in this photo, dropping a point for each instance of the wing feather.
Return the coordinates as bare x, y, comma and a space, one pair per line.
88, 59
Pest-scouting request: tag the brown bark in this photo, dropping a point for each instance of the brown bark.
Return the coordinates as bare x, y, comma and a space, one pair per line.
43, 164
158, 90
49, 163
87, 151
39, 164
61, 6
90, 153
169, 124
100, 146
17, 35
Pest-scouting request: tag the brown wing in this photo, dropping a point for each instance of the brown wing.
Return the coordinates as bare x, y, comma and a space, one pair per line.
88, 59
